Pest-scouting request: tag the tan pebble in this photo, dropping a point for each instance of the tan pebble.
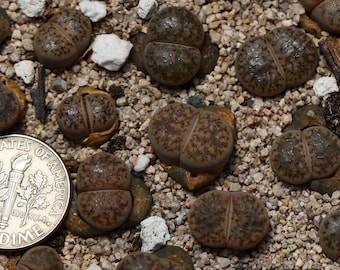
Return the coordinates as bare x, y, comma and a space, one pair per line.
286, 119
299, 263
27, 44
251, 120
267, 112
214, 24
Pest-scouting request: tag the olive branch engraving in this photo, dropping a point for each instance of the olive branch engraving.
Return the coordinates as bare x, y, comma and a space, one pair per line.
3, 184
33, 194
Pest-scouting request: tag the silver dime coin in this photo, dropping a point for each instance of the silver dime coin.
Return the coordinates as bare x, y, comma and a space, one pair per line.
34, 191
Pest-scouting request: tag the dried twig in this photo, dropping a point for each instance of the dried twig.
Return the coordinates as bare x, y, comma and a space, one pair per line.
330, 59
39, 96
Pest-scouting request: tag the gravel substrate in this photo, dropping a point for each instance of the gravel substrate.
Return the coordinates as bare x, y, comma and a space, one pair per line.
295, 212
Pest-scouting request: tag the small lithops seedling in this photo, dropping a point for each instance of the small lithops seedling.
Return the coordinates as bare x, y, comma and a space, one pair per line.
175, 48
62, 39
307, 116
104, 191
12, 105
329, 235
89, 117
40, 258
222, 219
5, 26
298, 157
146, 261
198, 140
325, 13
283, 58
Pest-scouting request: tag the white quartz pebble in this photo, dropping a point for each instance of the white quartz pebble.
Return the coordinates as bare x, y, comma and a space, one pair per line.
324, 86
142, 162
32, 8
94, 10
25, 70
146, 8
154, 233
93, 267
110, 52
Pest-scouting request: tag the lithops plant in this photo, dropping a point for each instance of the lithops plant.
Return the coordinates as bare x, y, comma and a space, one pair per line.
141, 206
267, 65
104, 191
89, 117
175, 48
12, 105
62, 39
105, 198
169, 257
307, 116
222, 219
297, 157
325, 13
199, 141
329, 235
40, 258
5, 26
142, 202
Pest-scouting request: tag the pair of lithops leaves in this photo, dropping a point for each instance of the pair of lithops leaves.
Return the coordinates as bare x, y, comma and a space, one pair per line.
89, 117
194, 144
166, 258
222, 219
12, 105
306, 151
62, 39
107, 197
313, 115
175, 48
285, 57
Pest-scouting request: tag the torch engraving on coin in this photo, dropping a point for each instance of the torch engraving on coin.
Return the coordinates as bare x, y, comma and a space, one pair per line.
34, 191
